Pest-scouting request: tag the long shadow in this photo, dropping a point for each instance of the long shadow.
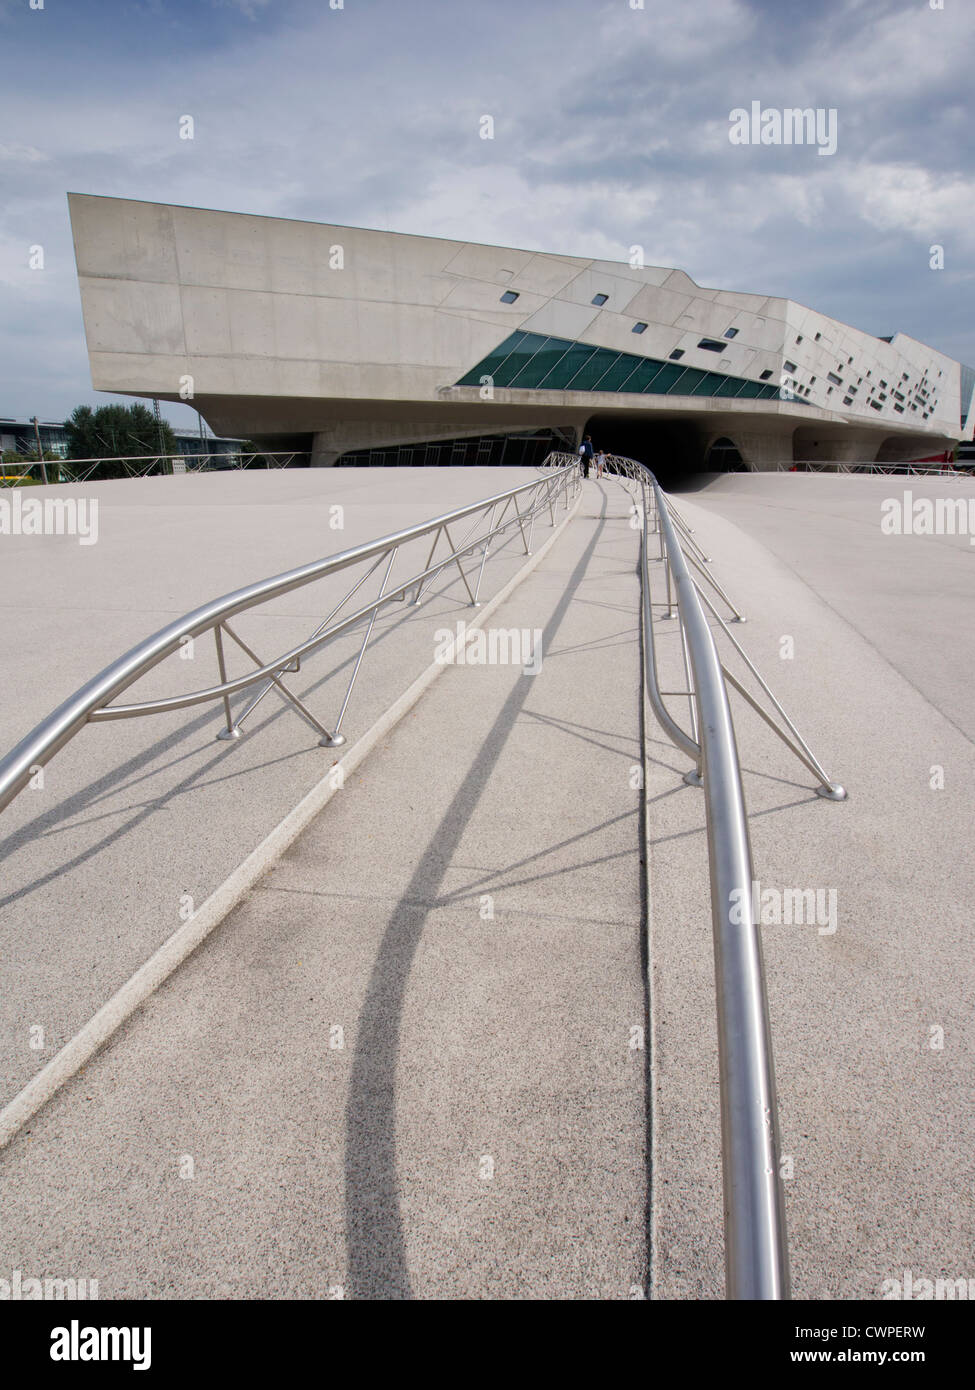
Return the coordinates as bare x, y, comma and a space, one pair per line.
377, 1266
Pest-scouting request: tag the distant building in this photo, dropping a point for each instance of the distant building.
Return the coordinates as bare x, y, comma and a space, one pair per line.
363, 346
17, 437
189, 442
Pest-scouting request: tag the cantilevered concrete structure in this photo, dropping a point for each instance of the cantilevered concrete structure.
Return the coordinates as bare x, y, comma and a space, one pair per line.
341, 339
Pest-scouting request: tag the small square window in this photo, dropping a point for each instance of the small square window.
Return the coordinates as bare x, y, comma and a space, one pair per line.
818, 336
600, 299
677, 354
798, 337
731, 332
639, 328
711, 345
789, 366
509, 296
765, 375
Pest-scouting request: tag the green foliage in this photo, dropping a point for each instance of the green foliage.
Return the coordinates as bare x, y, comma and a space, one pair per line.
118, 431
18, 477
249, 447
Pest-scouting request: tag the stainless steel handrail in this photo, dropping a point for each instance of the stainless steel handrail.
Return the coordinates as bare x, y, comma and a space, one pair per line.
144, 465
756, 1248
90, 703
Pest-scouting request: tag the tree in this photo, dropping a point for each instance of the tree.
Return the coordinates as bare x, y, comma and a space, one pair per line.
118, 431
25, 476
248, 448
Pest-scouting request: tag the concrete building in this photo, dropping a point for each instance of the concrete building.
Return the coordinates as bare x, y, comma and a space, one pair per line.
368, 346
18, 437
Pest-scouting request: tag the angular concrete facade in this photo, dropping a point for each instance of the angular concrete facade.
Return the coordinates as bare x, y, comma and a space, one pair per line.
349, 339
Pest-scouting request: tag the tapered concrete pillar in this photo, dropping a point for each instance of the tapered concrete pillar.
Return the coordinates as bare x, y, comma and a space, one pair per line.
322, 456
860, 447
763, 451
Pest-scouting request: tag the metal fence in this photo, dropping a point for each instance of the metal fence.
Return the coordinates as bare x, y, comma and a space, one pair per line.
755, 1232
516, 510
756, 1247
146, 466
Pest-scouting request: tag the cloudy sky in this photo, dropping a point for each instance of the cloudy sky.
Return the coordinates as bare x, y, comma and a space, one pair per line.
611, 128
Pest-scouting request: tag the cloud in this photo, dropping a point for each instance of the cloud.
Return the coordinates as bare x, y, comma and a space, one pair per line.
21, 154
250, 8
611, 129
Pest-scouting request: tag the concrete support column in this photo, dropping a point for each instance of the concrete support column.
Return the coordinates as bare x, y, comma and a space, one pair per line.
900, 450
763, 450
323, 454
859, 447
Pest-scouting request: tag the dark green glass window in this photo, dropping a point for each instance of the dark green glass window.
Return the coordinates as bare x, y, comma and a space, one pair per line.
491, 363
518, 359
545, 352
709, 385
619, 373
664, 379
532, 361
729, 386
597, 366
568, 364
644, 374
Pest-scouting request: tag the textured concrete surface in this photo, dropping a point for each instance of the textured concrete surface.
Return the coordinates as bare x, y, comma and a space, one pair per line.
411, 1063
876, 1117
379, 1088
135, 817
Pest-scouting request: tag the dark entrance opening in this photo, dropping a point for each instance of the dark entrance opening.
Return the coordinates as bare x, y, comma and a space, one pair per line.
524, 449
671, 448
723, 457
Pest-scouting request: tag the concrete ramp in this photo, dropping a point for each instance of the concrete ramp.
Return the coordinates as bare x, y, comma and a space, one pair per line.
449, 1046
412, 1064
871, 1022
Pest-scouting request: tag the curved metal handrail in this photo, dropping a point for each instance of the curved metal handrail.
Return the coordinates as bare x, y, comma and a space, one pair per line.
756, 1249
90, 703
